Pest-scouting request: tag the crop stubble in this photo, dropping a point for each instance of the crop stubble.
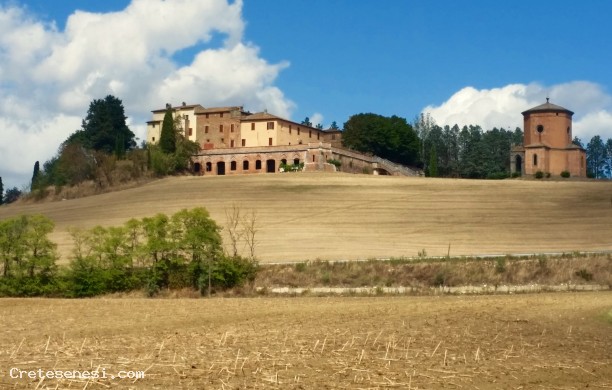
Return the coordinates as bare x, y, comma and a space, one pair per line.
543, 341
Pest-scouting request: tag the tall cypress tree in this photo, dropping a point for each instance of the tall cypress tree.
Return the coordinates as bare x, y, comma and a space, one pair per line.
35, 175
1, 192
167, 138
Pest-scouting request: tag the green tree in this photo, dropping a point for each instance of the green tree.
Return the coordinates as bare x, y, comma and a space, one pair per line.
334, 126
596, 157
608, 159
167, 138
25, 249
307, 122
35, 175
319, 126
11, 195
388, 137
433, 163
1, 192
105, 126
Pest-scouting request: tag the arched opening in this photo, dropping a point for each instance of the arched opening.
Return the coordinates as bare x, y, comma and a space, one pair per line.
209, 167
535, 160
518, 164
233, 166
197, 167
270, 166
296, 161
221, 168
245, 165
258, 164
284, 161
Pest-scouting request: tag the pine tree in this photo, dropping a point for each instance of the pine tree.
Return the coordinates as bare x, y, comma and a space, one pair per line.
1, 192
167, 138
35, 175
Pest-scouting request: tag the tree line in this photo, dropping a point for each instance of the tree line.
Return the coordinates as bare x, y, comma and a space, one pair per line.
179, 251
467, 152
453, 151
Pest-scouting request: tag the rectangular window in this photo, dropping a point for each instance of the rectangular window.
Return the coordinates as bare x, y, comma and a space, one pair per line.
269, 141
318, 134
206, 129
221, 115
206, 116
309, 133
289, 129
243, 142
270, 125
298, 131
232, 127
253, 126
232, 143
190, 131
220, 128
153, 139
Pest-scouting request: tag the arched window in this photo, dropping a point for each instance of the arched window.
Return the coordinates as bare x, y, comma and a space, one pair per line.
208, 167
233, 166
258, 164
245, 165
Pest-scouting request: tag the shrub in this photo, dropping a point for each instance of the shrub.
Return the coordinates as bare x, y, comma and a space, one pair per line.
516, 174
334, 162
539, 174
547, 175
584, 274
565, 174
497, 176
500, 265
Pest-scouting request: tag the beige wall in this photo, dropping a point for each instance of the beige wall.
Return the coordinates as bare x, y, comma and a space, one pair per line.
188, 121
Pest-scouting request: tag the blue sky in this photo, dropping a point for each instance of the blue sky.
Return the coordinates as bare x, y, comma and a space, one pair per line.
479, 62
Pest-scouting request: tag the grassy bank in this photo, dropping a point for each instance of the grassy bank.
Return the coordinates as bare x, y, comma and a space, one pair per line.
423, 273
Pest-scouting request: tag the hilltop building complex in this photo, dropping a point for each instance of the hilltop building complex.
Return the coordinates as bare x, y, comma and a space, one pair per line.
235, 141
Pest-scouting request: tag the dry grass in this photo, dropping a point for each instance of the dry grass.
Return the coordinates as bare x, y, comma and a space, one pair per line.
542, 270
546, 341
343, 216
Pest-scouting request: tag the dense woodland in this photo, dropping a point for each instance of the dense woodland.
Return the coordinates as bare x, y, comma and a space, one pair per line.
104, 151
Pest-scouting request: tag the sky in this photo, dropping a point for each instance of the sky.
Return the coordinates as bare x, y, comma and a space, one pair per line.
463, 62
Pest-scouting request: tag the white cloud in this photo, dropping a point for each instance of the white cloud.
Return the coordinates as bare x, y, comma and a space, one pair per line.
502, 107
48, 77
316, 118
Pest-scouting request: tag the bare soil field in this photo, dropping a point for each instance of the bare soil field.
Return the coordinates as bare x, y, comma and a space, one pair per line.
538, 341
342, 216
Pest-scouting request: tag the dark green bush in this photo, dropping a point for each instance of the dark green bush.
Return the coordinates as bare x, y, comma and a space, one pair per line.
539, 174
565, 174
497, 176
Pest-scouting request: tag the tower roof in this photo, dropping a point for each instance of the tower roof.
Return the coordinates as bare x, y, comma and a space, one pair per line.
548, 107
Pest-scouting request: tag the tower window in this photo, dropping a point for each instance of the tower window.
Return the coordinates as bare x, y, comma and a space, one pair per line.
535, 160
540, 128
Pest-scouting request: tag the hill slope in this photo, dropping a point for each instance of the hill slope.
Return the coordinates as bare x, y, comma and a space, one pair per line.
341, 216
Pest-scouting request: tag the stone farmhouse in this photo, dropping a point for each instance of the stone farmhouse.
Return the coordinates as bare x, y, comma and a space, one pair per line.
547, 143
234, 141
